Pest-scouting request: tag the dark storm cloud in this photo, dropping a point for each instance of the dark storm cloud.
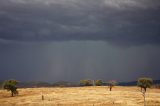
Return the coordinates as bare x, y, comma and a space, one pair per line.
73, 61
115, 21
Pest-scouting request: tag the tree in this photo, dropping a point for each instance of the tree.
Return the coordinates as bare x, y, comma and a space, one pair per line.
144, 83
10, 85
112, 83
98, 82
86, 82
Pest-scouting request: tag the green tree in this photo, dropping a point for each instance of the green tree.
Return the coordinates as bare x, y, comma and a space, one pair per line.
86, 82
111, 84
10, 85
144, 83
98, 82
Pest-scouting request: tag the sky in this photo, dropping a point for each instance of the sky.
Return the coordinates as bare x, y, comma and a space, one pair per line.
70, 40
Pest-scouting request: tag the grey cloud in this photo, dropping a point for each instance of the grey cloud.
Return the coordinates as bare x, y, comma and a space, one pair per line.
72, 61
115, 21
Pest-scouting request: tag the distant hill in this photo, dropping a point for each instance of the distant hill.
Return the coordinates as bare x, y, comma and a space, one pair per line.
45, 84
33, 84
65, 84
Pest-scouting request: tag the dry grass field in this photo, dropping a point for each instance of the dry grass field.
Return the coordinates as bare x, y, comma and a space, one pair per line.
81, 96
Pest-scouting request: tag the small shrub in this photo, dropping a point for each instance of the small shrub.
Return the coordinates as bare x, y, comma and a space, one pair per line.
86, 82
10, 85
98, 82
144, 83
111, 84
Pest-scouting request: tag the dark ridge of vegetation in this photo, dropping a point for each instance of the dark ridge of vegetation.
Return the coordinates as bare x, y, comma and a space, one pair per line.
86, 82
46, 84
33, 84
156, 81
98, 82
134, 83
156, 84
64, 84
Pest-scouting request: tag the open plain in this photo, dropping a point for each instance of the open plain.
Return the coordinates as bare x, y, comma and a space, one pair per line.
81, 96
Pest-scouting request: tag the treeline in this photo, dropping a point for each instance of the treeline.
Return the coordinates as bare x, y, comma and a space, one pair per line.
37, 84
89, 82
85, 82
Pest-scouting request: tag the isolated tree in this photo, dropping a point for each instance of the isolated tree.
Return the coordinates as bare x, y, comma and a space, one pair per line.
98, 82
111, 84
86, 82
10, 85
144, 83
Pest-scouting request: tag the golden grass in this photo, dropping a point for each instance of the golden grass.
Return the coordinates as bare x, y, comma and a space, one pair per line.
81, 96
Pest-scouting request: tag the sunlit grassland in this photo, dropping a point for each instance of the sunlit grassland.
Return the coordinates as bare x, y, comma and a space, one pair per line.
80, 96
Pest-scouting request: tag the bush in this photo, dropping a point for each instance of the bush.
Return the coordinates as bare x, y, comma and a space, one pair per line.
10, 85
98, 82
111, 84
144, 83
86, 82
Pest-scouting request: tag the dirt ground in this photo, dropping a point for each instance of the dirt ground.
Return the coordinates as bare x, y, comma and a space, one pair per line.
81, 96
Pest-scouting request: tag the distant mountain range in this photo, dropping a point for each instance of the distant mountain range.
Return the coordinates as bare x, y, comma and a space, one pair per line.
66, 84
